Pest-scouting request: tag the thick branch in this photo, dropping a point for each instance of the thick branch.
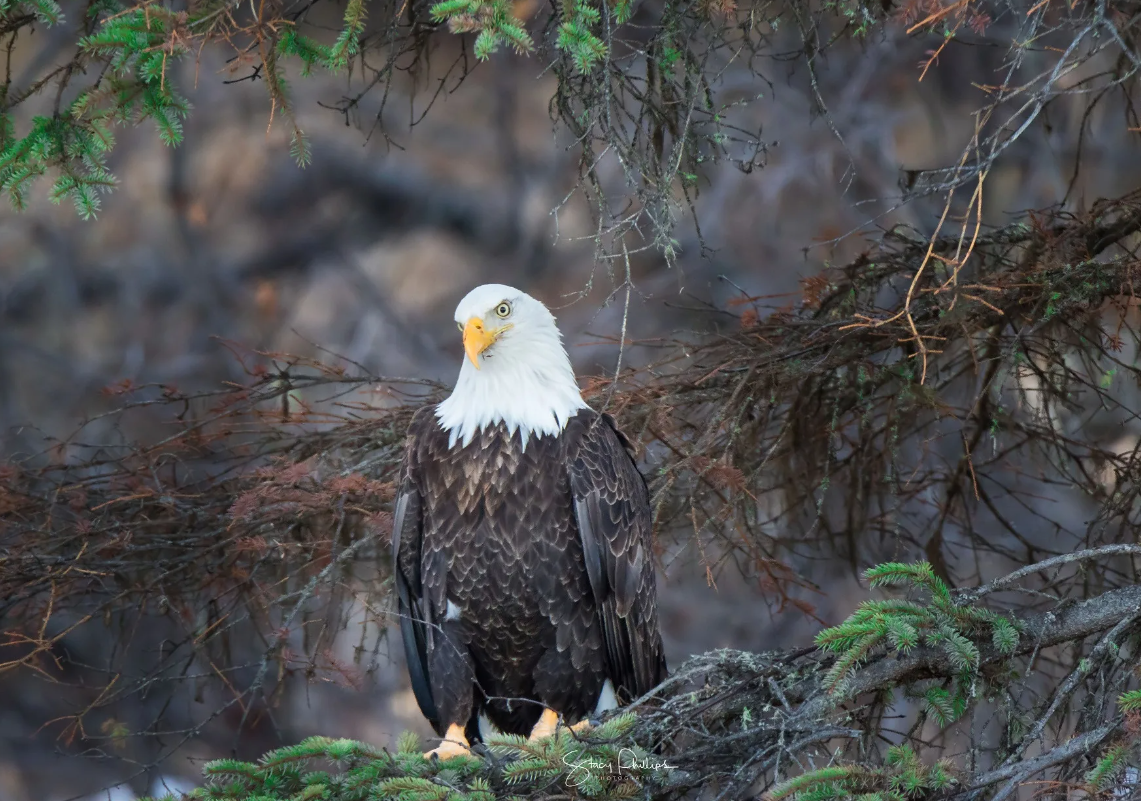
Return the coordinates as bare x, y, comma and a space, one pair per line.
1017, 772
1066, 624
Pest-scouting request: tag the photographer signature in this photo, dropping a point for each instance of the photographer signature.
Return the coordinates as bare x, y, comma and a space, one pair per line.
582, 767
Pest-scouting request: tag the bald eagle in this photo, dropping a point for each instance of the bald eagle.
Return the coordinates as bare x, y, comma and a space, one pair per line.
521, 545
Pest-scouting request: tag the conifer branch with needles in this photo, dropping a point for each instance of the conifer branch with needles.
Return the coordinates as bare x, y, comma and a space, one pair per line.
731, 719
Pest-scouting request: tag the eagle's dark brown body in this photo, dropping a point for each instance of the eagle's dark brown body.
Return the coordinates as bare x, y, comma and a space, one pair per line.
525, 577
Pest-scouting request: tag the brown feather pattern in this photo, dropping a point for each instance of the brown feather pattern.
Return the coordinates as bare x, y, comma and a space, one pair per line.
546, 552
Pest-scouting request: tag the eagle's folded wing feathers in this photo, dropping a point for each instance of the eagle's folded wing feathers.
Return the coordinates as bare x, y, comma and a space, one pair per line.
612, 510
412, 608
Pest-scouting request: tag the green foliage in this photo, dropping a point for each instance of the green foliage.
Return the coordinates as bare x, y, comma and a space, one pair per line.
862, 17
308, 51
348, 42
903, 624
77, 150
131, 49
599, 763
493, 21
335, 57
134, 50
46, 12
496, 25
902, 776
140, 47
1108, 768
1130, 701
576, 36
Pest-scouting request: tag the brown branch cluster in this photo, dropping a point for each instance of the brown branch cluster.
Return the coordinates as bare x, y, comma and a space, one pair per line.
744, 722
241, 539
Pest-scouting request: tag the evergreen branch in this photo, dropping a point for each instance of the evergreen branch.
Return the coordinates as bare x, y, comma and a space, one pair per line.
538, 770
1071, 622
1130, 701
902, 623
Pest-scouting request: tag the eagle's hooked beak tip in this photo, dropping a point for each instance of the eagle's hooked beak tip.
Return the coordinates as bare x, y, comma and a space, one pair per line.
477, 339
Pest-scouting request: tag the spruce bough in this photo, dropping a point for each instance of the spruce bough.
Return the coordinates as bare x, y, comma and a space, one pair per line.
584, 766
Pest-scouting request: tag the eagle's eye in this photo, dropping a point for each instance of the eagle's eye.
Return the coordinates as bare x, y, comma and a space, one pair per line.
503, 309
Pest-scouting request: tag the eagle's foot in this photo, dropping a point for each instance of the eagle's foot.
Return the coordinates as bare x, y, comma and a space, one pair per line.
454, 744
582, 726
545, 727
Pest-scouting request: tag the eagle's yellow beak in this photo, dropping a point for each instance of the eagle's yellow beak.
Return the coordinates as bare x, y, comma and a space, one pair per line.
478, 338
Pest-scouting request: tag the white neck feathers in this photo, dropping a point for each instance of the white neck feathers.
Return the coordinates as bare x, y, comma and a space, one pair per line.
529, 386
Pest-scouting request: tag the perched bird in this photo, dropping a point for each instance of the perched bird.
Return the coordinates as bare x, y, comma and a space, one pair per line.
521, 545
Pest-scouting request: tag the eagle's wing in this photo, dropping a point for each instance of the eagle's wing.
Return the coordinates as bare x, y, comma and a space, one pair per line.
612, 510
412, 607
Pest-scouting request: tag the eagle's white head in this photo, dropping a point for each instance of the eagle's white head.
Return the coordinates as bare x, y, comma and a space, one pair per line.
515, 370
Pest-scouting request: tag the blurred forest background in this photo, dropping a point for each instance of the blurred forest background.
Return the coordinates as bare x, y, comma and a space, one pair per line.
212, 254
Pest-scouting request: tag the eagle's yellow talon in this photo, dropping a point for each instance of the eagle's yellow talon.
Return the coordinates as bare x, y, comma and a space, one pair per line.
454, 744
545, 727
581, 726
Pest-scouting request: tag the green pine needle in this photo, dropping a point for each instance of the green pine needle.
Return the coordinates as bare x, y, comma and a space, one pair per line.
1108, 767
408, 743
1130, 701
348, 42
902, 624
